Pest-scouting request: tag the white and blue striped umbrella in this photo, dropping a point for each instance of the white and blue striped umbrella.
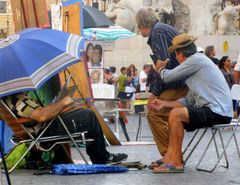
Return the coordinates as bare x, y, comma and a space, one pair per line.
111, 33
32, 56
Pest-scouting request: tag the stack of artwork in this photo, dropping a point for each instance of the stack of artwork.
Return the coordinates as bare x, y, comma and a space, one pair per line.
94, 56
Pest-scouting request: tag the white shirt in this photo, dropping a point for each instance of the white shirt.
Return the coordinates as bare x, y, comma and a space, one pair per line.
237, 66
142, 75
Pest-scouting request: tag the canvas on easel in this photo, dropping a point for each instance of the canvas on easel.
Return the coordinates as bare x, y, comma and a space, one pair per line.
73, 23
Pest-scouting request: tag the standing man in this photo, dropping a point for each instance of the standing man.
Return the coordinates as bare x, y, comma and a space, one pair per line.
211, 53
159, 39
143, 77
207, 103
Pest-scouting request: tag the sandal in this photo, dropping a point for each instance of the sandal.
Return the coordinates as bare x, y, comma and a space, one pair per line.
155, 164
168, 168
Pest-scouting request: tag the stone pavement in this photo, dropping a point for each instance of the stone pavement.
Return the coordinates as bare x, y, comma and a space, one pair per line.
145, 153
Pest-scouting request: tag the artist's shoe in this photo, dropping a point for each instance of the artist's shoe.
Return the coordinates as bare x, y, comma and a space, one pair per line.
116, 158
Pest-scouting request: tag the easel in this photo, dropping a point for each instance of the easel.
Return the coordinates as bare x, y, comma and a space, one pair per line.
72, 23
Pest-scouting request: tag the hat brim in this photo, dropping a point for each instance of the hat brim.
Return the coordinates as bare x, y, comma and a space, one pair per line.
171, 49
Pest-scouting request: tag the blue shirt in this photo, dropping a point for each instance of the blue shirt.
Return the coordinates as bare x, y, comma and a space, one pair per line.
160, 40
207, 86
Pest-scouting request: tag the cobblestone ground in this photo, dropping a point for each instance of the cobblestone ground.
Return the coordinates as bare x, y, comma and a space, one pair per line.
146, 153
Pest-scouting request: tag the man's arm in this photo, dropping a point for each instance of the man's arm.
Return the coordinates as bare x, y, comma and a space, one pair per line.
42, 114
180, 72
160, 86
158, 104
159, 49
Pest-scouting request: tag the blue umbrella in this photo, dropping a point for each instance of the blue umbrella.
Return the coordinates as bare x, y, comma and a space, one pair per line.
31, 57
74, 169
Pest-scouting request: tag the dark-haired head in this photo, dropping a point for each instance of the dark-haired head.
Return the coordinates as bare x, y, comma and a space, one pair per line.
89, 54
222, 61
123, 69
113, 69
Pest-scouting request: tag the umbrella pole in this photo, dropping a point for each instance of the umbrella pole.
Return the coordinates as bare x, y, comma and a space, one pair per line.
66, 15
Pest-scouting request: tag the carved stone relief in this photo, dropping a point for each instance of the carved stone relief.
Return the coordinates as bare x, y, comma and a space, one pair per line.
224, 21
122, 13
193, 16
175, 13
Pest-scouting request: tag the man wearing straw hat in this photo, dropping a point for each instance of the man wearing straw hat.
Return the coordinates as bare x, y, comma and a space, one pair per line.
208, 100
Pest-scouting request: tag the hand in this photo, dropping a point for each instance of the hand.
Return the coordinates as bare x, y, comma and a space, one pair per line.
67, 100
157, 105
160, 64
151, 98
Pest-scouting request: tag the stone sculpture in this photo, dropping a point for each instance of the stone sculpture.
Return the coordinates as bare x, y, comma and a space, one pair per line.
147, 2
224, 21
121, 12
175, 13
182, 16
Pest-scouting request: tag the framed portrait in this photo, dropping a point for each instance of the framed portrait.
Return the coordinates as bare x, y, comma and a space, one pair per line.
94, 54
96, 76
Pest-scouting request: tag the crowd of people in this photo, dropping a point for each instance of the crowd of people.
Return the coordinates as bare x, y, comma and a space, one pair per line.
130, 80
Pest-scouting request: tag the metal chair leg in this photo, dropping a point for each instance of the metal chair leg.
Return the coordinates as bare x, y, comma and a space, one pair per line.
196, 144
139, 126
205, 151
4, 165
215, 143
225, 153
220, 157
74, 142
190, 142
235, 140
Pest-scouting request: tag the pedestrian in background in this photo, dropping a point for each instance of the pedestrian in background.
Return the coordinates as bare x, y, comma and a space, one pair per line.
211, 53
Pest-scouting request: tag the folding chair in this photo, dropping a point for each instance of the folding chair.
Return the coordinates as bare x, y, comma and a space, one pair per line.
17, 124
235, 93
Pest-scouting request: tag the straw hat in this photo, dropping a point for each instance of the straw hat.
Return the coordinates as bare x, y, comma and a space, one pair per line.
181, 41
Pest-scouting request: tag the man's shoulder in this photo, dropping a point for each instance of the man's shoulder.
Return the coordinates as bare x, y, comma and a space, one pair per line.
162, 28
